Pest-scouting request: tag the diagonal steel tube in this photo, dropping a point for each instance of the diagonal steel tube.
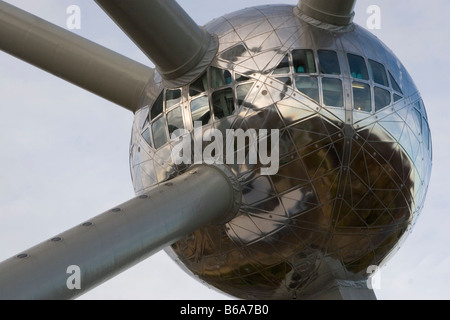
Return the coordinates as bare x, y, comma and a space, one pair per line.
73, 58
118, 239
164, 32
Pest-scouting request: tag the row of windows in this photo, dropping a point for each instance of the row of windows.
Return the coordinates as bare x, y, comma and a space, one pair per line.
374, 88
214, 96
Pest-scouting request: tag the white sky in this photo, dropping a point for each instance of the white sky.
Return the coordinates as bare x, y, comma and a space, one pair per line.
64, 151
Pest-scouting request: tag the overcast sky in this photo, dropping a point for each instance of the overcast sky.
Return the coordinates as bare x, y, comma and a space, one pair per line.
64, 151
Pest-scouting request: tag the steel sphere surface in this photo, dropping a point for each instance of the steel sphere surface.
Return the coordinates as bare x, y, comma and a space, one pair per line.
355, 153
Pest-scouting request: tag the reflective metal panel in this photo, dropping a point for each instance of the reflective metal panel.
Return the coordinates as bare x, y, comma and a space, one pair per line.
355, 155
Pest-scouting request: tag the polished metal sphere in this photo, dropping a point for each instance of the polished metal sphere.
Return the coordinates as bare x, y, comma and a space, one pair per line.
355, 153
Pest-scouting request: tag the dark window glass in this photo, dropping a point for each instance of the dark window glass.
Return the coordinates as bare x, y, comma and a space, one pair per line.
362, 100
378, 73
283, 67
146, 136
394, 84
304, 61
242, 91
199, 86
159, 132
157, 107
286, 80
233, 53
241, 78
424, 111
397, 97
308, 86
332, 92
175, 120
427, 134
418, 120
329, 62
172, 98
145, 123
382, 98
358, 67
200, 110
223, 103
219, 77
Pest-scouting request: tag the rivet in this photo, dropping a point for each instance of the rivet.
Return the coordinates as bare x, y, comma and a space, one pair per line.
116, 210
22, 256
87, 224
56, 239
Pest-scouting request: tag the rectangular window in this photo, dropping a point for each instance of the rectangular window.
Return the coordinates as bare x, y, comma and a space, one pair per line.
157, 107
283, 67
382, 98
358, 67
242, 92
378, 73
223, 103
303, 61
172, 98
332, 92
397, 97
308, 86
219, 77
199, 86
200, 110
159, 132
286, 80
329, 62
394, 84
175, 121
362, 99
240, 78
146, 136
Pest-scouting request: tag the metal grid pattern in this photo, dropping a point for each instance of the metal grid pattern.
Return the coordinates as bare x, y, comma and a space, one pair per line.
351, 184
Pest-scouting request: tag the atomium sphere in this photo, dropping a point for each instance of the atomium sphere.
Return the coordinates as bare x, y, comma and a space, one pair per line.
355, 153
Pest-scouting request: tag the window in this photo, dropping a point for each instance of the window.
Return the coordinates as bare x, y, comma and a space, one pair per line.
241, 78
378, 73
304, 61
329, 62
145, 123
427, 133
159, 132
382, 98
283, 67
242, 91
332, 92
223, 103
397, 97
146, 136
219, 77
175, 120
308, 86
200, 110
362, 100
286, 80
232, 53
157, 107
394, 84
358, 67
199, 86
172, 98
